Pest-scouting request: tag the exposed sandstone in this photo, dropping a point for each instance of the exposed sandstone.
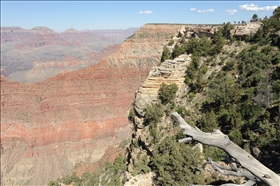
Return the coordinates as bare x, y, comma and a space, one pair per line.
240, 30
49, 127
170, 71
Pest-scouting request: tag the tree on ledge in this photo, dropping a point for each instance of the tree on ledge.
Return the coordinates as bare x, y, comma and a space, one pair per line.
255, 171
255, 17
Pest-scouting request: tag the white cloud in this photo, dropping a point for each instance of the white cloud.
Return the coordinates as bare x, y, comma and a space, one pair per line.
146, 12
231, 12
193, 9
208, 10
253, 7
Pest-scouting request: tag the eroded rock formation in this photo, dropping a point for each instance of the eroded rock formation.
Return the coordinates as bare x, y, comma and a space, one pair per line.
170, 71
240, 31
49, 127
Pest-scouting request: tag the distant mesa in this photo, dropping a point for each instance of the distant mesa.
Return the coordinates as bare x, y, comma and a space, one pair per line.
71, 30
41, 28
11, 27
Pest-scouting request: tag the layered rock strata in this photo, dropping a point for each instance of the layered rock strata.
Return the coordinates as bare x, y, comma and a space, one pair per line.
170, 71
48, 128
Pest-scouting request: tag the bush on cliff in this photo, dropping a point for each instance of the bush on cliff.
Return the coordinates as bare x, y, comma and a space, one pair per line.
175, 163
243, 100
198, 46
167, 93
177, 50
166, 54
153, 114
131, 114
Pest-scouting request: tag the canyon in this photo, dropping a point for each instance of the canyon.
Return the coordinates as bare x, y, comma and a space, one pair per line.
49, 127
75, 119
33, 55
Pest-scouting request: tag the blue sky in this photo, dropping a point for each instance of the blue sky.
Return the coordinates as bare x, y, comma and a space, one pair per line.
83, 15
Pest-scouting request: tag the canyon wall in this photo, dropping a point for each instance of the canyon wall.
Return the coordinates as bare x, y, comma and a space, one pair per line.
49, 127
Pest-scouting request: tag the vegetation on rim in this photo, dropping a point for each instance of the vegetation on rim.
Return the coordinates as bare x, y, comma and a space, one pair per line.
235, 90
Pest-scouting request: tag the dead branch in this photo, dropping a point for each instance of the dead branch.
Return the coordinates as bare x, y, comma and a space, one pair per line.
248, 183
220, 140
232, 171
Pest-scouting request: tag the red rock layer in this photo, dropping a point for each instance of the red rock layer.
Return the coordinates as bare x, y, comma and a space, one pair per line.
49, 127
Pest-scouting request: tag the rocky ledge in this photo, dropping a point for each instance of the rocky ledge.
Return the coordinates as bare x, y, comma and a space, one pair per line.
170, 71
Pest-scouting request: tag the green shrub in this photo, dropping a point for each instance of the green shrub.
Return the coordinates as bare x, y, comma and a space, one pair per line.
208, 122
165, 54
191, 96
276, 58
173, 163
236, 137
177, 50
51, 183
183, 111
209, 59
214, 152
153, 114
131, 114
229, 65
167, 93
187, 80
172, 105
67, 180
204, 69
171, 42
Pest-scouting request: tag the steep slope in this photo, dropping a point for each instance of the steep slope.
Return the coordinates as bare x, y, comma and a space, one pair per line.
49, 127
225, 82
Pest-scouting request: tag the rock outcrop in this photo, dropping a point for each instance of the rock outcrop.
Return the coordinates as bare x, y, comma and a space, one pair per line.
170, 71
48, 128
240, 31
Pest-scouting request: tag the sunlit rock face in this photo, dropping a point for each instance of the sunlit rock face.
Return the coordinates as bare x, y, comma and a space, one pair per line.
49, 127
169, 72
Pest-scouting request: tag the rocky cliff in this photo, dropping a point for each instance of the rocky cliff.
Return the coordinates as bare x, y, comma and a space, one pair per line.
52, 127
170, 71
48, 128
239, 30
